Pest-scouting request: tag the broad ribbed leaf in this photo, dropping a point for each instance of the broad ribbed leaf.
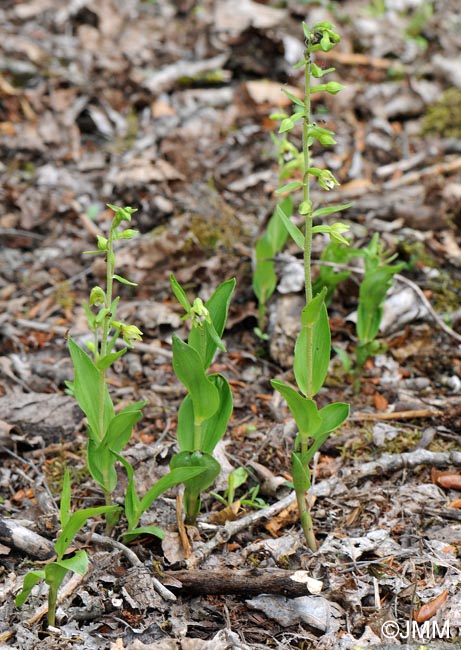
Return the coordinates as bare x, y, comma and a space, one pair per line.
212, 429
303, 409
86, 390
189, 369
189, 459
321, 349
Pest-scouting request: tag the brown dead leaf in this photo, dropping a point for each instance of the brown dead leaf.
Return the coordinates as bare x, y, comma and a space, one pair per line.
229, 513
380, 402
450, 481
22, 494
117, 645
285, 518
429, 610
455, 504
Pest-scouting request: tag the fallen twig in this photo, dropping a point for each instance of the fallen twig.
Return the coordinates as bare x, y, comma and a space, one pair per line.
19, 537
246, 582
231, 528
396, 415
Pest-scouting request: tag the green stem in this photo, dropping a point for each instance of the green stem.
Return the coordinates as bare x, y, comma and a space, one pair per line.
306, 520
52, 603
197, 435
308, 221
191, 507
103, 352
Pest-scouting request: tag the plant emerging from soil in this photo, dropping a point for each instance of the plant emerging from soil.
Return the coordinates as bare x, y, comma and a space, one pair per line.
207, 407
313, 345
54, 572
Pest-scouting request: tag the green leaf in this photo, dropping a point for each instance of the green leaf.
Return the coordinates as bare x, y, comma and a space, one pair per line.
303, 409
124, 280
120, 429
132, 534
177, 475
77, 563
64, 506
286, 125
132, 501
180, 294
294, 99
75, 523
292, 229
264, 280
289, 187
185, 428
189, 369
311, 312
276, 231
332, 417
210, 465
320, 355
238, 477
100, 460
212, 429
331, 209
109, 359
86, 389
300, 472
30, 580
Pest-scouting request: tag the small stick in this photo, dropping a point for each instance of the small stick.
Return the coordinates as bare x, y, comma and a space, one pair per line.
396, 415
181, 527
231, 528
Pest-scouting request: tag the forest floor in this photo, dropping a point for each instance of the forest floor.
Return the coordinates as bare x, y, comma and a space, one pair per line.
164, 106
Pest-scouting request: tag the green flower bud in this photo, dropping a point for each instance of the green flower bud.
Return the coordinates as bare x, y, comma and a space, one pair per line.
102, 243
129, 233
333, 87
97, 296
199, 312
